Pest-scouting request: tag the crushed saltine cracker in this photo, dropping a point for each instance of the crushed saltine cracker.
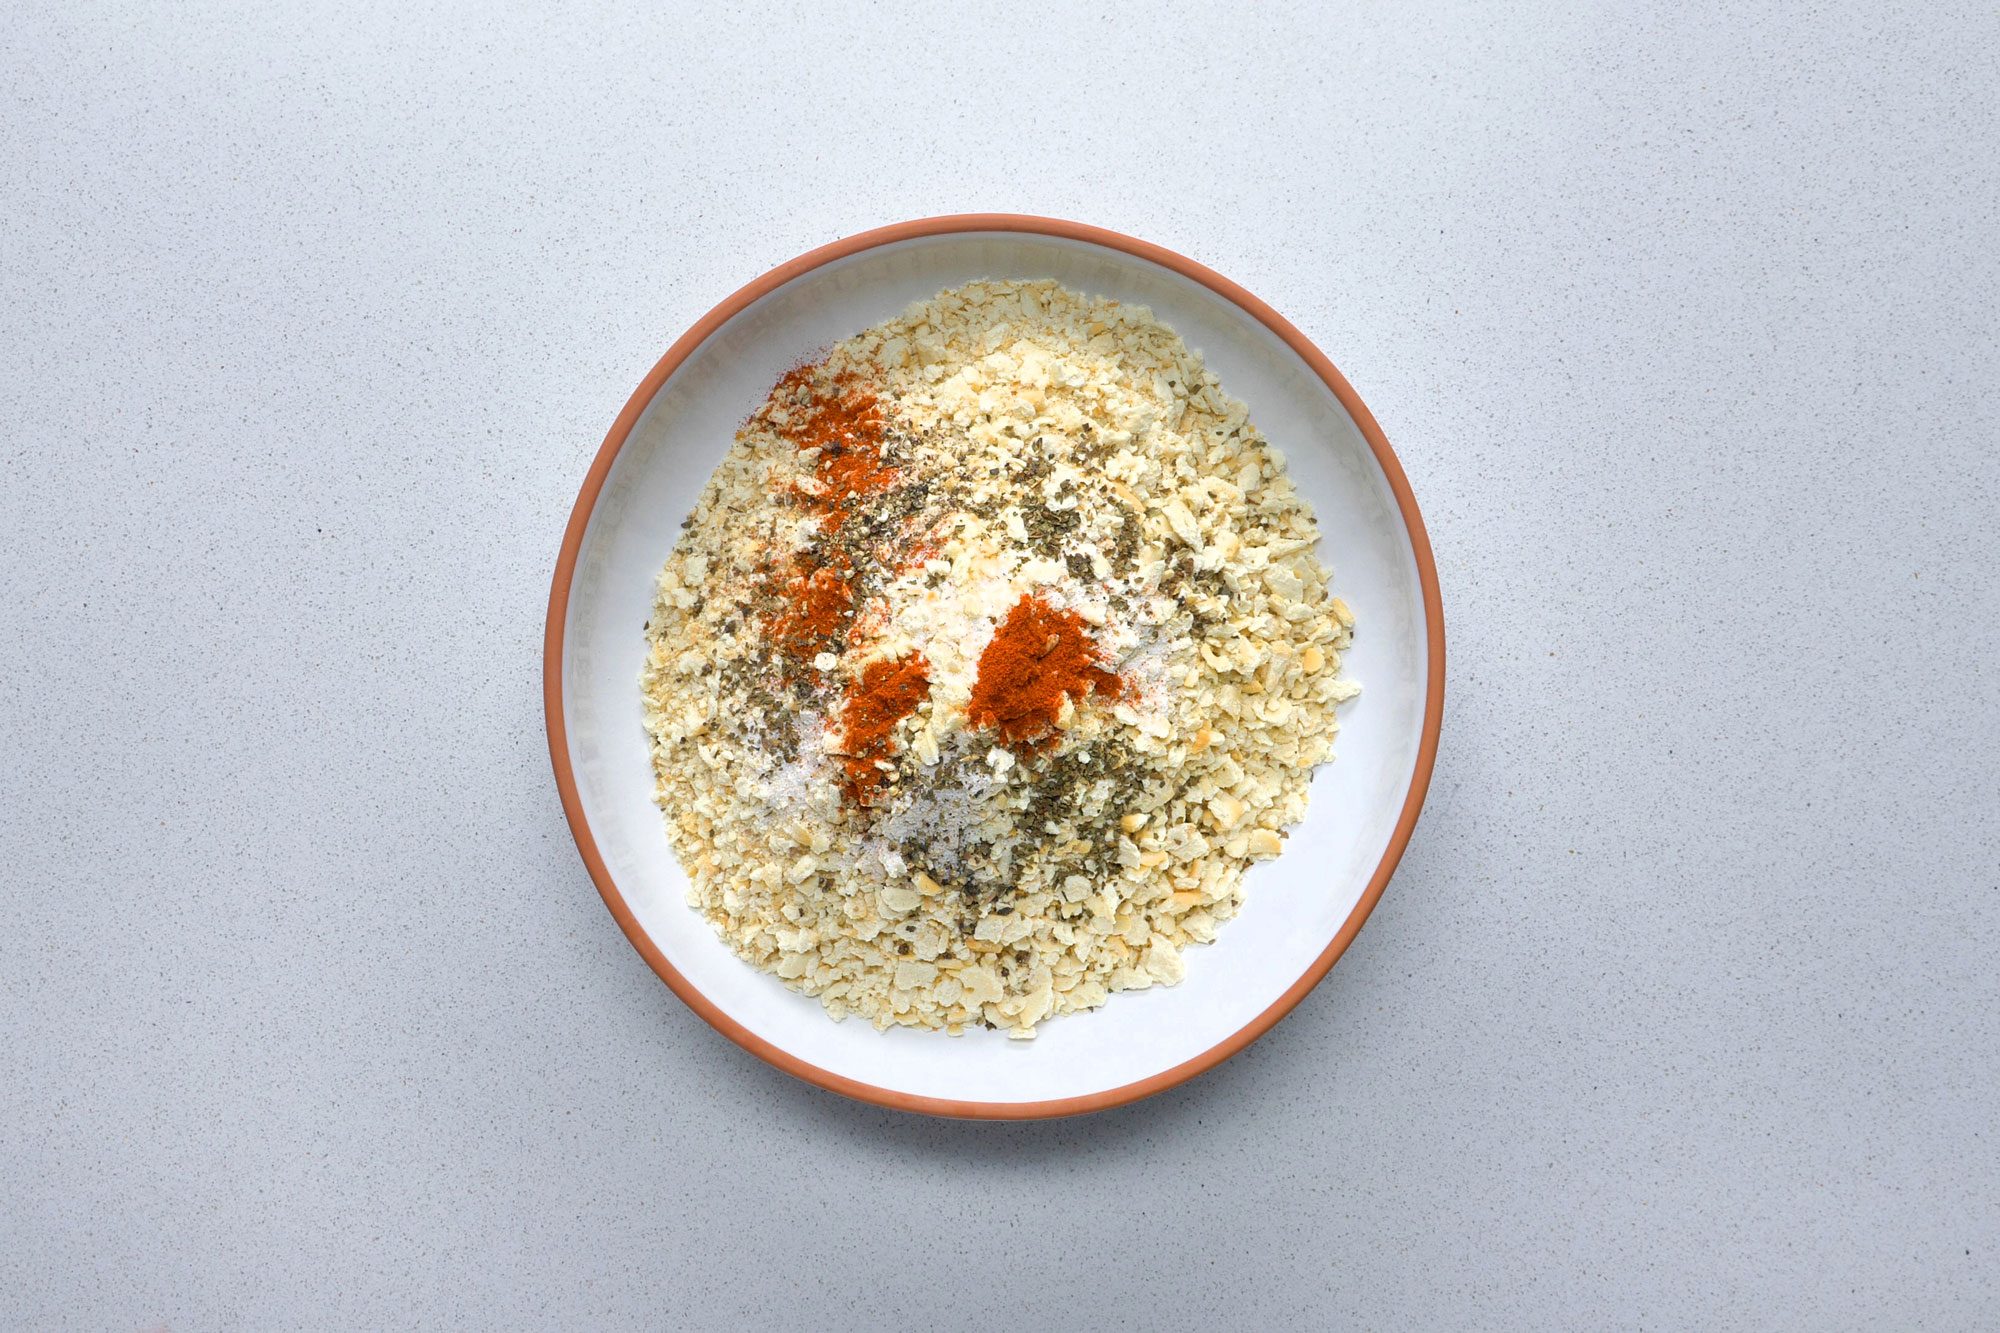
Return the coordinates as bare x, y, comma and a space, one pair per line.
994, 652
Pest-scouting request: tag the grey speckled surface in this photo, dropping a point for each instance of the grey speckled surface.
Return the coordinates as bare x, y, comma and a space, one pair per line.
1684, 1010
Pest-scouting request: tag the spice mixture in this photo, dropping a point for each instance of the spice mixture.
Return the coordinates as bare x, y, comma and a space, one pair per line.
993, 653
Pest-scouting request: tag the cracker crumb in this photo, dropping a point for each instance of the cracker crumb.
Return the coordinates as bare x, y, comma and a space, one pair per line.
1014, 480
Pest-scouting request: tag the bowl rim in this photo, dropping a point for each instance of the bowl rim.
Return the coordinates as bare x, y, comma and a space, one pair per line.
565, 573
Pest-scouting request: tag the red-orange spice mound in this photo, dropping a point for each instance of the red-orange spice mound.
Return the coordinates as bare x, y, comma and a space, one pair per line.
887, 692
1038, 657
844, 423
818, 604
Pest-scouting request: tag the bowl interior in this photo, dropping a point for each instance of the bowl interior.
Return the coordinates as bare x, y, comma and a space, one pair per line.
1294, 906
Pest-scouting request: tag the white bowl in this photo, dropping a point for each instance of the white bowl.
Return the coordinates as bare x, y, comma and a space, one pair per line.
1299, 911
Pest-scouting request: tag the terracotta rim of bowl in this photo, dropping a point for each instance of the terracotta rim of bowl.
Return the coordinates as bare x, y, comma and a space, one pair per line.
579, 521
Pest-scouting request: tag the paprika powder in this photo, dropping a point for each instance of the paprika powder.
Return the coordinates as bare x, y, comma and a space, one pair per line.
888, 691
1038, 658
